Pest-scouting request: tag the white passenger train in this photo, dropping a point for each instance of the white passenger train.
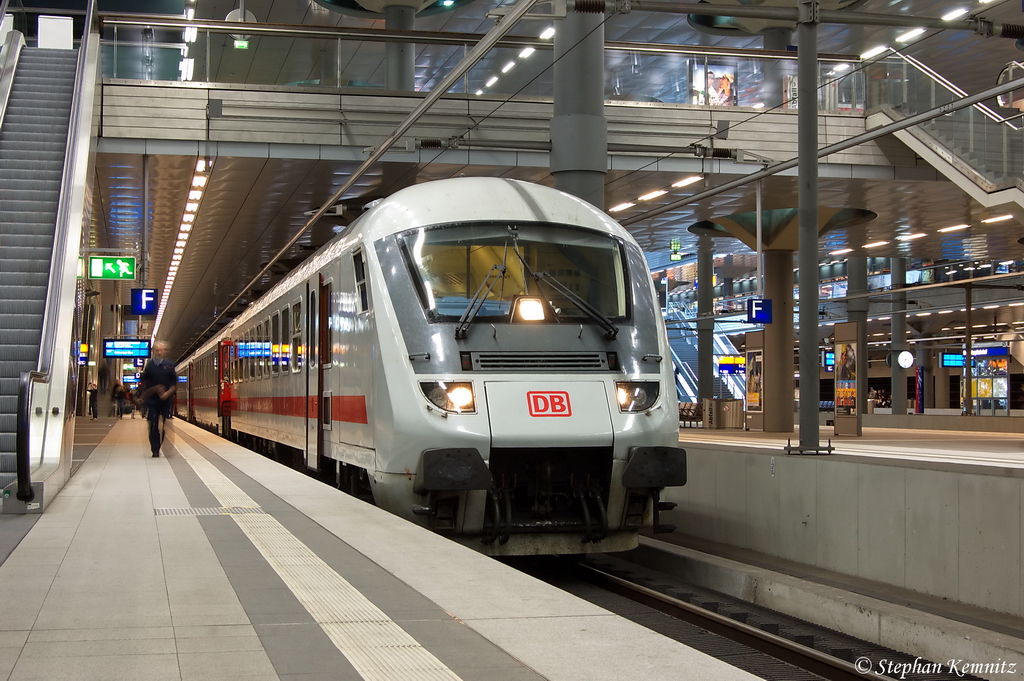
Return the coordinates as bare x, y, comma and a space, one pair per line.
486, 356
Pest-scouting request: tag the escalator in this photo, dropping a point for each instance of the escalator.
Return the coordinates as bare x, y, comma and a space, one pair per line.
33, 140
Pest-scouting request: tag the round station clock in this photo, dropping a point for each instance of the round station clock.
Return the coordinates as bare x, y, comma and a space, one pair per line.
904, 359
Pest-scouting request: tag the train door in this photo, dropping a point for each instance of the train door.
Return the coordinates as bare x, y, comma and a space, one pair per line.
225, 389
312, 374
323, 341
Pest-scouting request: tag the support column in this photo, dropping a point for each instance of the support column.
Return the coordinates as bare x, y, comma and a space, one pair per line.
579, 132
968, 373
399, 58
705, 327
898, 324
857, 311
807, 153
777, 367
925, 361
775, 38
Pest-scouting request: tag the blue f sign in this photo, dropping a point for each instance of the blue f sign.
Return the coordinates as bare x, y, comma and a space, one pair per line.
759, 311
143, 301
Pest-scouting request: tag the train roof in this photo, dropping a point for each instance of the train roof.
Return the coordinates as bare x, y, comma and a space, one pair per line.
463, 199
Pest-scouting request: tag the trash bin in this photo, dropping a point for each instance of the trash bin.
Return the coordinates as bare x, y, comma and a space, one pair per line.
870, 408
723, 413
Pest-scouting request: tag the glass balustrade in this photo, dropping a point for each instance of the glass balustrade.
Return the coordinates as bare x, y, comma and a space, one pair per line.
267, 55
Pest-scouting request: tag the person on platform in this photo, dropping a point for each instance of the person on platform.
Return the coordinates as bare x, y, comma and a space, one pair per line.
117, 396
157, 386
94, 401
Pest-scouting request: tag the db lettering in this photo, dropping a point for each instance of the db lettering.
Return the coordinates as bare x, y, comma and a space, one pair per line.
549, 403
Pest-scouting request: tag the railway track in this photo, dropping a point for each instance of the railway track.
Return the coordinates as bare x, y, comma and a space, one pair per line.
766, 643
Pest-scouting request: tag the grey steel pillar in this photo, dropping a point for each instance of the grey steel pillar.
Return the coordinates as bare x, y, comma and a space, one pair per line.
967, 374
399, 58
807, 155
898, 324
925, 360
579, 132
777, 363
779, 39
705, 327
857, 311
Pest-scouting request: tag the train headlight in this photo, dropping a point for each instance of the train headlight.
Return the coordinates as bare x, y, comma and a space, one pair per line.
529, 310
453, 396
636, 395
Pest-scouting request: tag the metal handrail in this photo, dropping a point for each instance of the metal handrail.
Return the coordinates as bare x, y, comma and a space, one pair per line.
47, 345
11, 53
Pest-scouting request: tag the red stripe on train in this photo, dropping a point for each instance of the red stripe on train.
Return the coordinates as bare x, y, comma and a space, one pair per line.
347, 408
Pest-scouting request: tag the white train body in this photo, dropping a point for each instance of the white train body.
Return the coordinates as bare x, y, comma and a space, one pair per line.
512, 435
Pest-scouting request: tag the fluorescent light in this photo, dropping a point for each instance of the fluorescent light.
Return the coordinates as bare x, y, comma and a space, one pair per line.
908, 237
990, 307
950, 311
969, 269
954, 228
526, 52
998, 218
909, 35
548, 33
876, 243
1016, 304
1007, 262
621, 206
950, 272
195, 195
188, 217
492, 81
955, 14
198, 181
839, 68
508, 67
842, 251
190, 13
201, 165
874, 52
653, 195
479, 92
922, 314
192, 207
687, 181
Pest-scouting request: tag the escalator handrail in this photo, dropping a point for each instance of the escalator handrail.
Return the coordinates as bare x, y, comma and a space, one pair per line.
8, 65
48, 341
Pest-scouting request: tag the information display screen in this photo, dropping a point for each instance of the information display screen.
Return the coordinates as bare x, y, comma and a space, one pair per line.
125, 348
951, 359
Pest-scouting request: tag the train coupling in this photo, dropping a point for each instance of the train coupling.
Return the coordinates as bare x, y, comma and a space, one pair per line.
654, 468
454, 469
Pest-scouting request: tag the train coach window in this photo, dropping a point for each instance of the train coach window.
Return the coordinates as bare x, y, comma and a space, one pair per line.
297, 349
362, 293
313, 330
275, 343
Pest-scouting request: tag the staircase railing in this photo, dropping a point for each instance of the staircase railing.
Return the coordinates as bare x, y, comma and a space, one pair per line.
978, 137
56, 326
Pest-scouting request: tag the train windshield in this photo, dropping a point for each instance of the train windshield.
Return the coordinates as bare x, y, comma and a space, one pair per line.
496, 264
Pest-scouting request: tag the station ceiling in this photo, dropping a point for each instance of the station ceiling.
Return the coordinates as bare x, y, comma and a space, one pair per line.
252, 207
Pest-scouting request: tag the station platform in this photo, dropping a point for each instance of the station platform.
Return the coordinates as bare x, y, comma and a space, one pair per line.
212, 562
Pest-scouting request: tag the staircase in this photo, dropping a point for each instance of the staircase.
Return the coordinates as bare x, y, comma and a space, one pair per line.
32, 146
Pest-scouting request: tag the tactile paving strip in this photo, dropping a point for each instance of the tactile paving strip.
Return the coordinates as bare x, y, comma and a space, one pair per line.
374, 644
216, 510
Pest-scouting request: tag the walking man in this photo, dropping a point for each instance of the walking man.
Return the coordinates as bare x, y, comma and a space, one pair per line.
158, 383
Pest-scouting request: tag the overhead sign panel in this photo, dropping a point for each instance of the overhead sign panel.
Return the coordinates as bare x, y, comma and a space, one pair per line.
125, 348
116, 267
144, 301
759, 311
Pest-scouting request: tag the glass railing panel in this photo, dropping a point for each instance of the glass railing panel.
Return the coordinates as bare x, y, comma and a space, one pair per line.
507, 72
978, 136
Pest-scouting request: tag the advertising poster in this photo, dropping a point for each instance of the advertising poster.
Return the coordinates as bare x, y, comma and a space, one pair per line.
754, 381
846, 379
716, 87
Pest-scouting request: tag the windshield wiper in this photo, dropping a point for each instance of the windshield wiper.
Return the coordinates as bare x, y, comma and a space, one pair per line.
610, 330
496, 274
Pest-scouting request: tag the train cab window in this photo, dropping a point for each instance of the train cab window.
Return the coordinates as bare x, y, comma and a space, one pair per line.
297, 350
313, 330
362, 292
275, 344
574, 272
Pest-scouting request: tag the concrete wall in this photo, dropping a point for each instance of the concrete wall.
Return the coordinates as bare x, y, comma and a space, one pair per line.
952, 534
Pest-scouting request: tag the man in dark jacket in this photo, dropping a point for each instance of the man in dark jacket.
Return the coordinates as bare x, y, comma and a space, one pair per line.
157, 385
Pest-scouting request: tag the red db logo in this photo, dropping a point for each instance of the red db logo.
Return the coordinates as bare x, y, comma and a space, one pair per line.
549, 403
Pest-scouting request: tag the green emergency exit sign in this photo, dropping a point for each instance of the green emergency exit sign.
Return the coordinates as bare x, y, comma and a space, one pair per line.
119, 267
241, 44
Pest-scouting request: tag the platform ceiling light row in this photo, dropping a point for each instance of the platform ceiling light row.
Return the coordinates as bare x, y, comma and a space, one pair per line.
548, 34
918, 235
686, 181
914, 33
188, 218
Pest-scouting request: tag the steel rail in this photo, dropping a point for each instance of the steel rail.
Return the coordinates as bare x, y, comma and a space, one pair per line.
778, 647
849, 143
